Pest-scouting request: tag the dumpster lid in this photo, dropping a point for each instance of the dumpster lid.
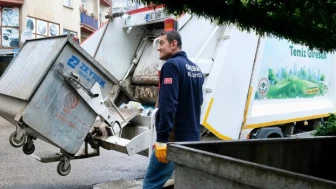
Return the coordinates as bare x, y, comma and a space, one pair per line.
27, 69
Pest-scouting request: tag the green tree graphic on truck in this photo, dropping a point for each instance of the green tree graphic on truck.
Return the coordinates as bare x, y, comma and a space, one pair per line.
295, 72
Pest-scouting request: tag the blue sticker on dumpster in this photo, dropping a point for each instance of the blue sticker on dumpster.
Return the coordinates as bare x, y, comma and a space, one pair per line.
85, 71
73, 62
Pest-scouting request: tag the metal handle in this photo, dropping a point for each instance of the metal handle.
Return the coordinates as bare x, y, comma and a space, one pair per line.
74, 77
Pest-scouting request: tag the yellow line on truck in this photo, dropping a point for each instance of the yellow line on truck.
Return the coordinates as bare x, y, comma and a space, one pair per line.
247, 104
279, 122
209, 127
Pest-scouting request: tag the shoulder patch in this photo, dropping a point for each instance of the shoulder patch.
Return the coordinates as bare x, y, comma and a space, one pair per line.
168, 80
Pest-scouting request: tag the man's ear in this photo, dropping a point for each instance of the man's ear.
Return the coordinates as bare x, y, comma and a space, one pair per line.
174, 44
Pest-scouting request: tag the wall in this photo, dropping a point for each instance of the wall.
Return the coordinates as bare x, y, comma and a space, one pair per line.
71, 17
103, 11
84, 36
52, 11
41, 9
92, 7
46, 10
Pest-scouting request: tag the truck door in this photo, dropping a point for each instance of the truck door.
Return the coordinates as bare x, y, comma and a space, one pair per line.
227, 86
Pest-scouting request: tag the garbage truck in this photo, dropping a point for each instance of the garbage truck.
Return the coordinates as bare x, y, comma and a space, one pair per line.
255, 87
102, 93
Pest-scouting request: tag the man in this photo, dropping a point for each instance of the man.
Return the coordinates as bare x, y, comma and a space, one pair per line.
180, 100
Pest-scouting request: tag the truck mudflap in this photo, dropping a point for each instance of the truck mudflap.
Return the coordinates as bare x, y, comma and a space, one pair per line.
260, 163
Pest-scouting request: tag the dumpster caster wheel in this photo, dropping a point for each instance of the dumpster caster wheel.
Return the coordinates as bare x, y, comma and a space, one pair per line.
61, 170
28, 150
17, 143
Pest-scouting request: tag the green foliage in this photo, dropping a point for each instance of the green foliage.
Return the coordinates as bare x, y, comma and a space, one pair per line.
292, 91
310, 23
322, 77
271, 74
285, 74
328, 128
292, 78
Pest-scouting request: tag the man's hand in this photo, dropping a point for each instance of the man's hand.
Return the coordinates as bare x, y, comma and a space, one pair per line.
161, 152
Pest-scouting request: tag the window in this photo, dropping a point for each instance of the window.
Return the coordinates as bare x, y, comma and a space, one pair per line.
67, 3
83, 3
9, 27
72, 33
65, 31
42, 28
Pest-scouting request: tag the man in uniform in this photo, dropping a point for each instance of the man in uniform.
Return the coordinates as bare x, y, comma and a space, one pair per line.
179, 106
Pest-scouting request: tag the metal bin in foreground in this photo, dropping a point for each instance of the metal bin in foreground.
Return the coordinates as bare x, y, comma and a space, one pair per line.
53, 90
271, 164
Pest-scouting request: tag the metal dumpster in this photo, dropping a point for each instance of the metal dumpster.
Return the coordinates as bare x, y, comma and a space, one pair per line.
53, 90
266, 163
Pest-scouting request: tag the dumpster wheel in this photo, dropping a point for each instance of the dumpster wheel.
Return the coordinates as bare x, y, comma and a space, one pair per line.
61, 170
28, 150
17, 143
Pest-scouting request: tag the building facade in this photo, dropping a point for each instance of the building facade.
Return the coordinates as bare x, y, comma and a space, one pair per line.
92, 15
25, 19
10, 27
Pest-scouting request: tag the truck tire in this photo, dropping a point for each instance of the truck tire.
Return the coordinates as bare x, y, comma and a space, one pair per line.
267, 132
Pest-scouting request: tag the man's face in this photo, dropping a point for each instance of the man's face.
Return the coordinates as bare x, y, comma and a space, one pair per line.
165, 48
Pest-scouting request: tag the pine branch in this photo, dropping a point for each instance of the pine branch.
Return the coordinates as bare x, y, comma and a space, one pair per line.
307, 22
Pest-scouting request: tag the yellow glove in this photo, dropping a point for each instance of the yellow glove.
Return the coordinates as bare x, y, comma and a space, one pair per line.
161, 152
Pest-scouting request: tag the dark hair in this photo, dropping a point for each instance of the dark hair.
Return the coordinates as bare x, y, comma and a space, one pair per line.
173, 35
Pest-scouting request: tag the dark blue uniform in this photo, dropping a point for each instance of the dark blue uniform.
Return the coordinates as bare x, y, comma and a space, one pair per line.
180, 99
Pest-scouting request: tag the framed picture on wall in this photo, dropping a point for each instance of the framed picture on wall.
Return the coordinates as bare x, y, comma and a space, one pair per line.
9, 27
41, 28
10, 16
10, 37
53, 29
31, 24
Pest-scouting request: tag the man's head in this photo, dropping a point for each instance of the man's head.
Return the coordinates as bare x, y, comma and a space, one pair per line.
170, 43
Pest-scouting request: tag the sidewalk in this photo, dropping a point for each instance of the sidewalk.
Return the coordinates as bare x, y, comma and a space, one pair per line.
128, 184
120, 184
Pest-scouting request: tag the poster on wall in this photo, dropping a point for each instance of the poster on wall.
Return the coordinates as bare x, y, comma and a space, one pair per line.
53, 29
41, 27
10, 17
31, 24
291, 71
10, 37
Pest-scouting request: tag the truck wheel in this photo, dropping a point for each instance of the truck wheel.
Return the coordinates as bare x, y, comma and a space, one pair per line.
17, 143
267, 132
274, 135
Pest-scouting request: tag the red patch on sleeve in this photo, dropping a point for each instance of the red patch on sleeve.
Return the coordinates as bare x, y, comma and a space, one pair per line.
167, 80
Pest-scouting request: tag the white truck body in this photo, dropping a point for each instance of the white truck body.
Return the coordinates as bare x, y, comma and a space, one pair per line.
251, 81
255, 87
